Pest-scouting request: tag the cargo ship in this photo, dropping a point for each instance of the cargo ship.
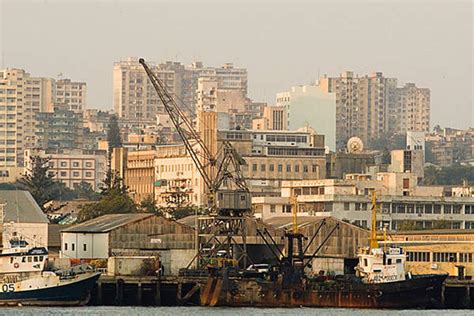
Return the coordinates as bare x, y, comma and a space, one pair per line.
379, 281
25, 281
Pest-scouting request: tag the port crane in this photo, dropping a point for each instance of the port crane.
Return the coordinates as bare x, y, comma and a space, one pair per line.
229, 199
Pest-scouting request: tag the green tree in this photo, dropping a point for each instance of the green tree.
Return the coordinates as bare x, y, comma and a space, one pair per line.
114, 139
408, 225
84, 191
452, 175
113, 134
148, 205
39, 182
114, 200
441, 224
182, 212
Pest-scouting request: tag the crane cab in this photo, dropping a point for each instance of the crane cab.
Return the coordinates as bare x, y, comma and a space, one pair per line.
233, 202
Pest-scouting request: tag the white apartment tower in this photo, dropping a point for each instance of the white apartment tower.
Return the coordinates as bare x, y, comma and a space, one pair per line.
71, 93
134, 95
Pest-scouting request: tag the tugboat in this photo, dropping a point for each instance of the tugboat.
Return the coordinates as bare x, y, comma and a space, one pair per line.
24, 280
380, 281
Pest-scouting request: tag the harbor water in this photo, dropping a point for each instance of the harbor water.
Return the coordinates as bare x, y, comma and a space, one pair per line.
206, 311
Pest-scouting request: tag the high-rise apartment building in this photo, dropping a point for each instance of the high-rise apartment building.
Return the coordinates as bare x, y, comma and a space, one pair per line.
135, 98
372, 106
71, 93
362, 105
313, 106
22, 97
134, 95
411, 110
61, 129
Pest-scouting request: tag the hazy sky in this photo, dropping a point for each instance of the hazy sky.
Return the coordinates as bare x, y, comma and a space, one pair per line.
281, 43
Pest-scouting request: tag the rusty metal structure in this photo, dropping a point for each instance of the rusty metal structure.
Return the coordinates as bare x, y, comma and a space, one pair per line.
229, 199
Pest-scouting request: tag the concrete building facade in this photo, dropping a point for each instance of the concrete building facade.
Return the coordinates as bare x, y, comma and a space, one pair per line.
400, 200
71, 93
313, 106
73, 166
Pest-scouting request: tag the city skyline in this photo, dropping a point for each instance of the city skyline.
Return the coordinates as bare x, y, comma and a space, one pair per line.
272, 62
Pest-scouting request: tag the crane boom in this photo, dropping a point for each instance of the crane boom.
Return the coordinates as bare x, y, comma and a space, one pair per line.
231, 201
183, 126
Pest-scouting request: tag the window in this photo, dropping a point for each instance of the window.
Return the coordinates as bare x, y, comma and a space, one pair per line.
465, 257
75, 164
457, 209
314, 168
75, 174
254, 167
406, 183
280, 168
30, 259
65, 246
444, 256
272, 208
437, 209
263, 167
447, 209
72, 247
297, 168
63, 163
85, 247
357, 206
418, 256
305, 168
288, 168
88, 174
469, 209
35, 258
428, 208
272, 167
347, 206
88, 164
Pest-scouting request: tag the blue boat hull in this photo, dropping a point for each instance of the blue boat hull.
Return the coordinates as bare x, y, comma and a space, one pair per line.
71, 294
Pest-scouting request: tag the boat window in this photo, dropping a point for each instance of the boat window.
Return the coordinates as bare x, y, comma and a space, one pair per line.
377, 270
40, 258
30, 259
389, 261
35, 258
365, 263
11, 259
23, 259
399, 260
65, 246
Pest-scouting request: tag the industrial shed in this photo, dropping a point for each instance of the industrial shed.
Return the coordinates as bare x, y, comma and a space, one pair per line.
257, 250
130, 235
22, 218
339, 254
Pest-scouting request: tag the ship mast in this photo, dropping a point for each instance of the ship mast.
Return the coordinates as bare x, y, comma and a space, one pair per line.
373, 229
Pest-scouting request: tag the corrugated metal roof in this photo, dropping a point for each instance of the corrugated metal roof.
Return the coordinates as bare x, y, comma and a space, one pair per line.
21, 207
106, 223
286, 222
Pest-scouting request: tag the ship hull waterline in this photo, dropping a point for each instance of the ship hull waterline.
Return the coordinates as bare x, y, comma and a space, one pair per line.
75, 293
418, 292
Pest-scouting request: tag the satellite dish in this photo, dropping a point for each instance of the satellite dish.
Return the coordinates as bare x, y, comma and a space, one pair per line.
355, 145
